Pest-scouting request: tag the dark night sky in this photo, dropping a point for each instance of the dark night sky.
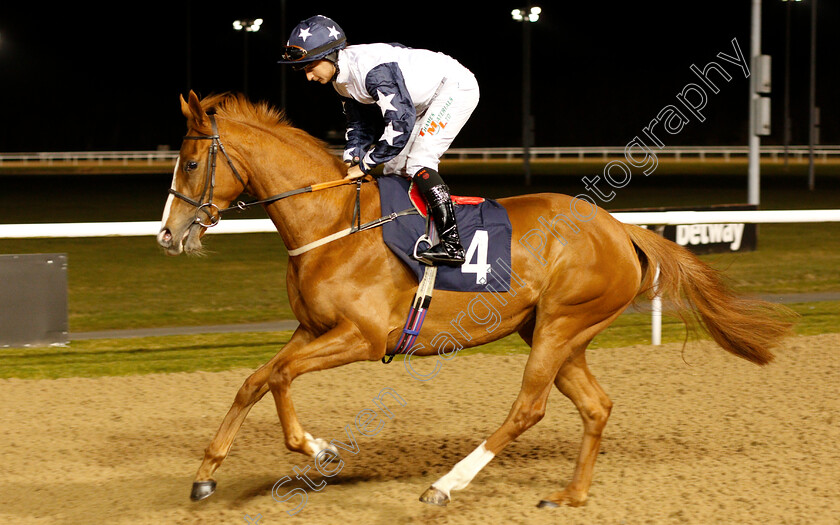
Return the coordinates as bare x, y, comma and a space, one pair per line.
83, 79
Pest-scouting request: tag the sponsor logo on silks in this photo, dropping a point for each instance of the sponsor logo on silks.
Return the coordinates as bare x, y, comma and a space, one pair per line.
711, 234
434, 124
433, 128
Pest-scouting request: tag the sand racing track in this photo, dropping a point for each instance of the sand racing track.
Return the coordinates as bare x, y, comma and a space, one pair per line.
695, 437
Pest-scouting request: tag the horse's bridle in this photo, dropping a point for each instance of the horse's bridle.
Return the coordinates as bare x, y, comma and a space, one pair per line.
214, 214
212, 211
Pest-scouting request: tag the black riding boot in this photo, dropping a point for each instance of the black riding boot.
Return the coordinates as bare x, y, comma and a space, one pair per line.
449, 251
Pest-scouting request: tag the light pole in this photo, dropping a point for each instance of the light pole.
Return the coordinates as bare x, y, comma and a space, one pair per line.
754, 156
527, 16
759, 111
248, 25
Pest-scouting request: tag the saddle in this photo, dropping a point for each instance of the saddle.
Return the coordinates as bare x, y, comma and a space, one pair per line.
485, 231
483, 224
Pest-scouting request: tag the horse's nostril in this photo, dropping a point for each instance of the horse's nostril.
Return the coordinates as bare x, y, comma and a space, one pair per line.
165, 237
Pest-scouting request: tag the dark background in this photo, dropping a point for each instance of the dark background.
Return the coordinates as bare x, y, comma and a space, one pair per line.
76, 78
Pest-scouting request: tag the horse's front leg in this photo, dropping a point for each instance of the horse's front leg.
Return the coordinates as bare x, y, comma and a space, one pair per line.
343, 344
249, 393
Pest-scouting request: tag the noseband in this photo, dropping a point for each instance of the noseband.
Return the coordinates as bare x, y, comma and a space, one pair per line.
212, 211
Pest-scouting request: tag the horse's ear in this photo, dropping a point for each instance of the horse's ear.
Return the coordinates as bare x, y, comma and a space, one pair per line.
195, 115
185, 108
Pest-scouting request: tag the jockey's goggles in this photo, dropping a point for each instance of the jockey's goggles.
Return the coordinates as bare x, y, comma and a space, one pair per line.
292, 53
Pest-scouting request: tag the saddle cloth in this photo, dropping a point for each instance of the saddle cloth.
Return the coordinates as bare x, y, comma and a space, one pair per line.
483, 225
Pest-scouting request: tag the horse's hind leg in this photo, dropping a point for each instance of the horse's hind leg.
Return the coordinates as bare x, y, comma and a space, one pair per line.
578, 384
544, 362
554, 346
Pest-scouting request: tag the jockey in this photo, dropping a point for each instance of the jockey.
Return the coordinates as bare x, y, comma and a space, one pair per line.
403, 106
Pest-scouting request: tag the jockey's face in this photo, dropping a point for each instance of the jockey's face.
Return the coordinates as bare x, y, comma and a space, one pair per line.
320, 71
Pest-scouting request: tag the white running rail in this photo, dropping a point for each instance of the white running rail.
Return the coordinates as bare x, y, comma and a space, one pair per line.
151, 228
142, 228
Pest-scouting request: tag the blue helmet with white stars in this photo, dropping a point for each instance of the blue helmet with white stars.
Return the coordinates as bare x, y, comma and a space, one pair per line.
313, 39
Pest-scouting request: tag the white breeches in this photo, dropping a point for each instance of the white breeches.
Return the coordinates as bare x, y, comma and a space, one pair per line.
437, 127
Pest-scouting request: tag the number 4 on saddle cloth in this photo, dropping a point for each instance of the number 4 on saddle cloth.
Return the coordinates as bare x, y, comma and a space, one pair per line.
485, 232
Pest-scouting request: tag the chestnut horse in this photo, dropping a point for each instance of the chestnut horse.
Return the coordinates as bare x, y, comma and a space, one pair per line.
351, 295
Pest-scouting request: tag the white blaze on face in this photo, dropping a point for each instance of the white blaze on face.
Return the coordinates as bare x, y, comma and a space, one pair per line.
171, 198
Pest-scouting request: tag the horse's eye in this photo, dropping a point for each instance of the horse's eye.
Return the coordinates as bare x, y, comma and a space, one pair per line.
190, 165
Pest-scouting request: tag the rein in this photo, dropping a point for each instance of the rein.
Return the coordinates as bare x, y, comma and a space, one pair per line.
214, 213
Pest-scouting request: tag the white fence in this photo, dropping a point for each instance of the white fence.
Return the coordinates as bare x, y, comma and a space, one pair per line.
151, 228
678, 153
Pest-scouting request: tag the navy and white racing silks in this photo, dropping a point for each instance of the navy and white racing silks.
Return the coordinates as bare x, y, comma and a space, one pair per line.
390, 85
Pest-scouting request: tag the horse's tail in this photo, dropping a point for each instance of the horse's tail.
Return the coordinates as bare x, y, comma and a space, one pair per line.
697, 293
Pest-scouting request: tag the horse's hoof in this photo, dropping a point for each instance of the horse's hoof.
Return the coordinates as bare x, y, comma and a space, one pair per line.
202, 489
433, 496
546, 504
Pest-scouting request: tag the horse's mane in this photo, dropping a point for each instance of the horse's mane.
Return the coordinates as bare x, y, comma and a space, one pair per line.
237, 107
